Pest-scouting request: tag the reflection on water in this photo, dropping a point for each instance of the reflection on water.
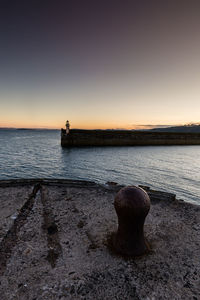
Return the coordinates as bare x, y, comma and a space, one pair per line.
37, 153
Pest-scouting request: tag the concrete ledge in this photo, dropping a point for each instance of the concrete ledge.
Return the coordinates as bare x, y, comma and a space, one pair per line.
45, 181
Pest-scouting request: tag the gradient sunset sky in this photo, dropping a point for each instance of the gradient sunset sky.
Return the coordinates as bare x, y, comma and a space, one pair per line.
99, 64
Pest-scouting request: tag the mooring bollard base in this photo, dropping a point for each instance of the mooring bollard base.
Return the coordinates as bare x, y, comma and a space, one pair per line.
124, 248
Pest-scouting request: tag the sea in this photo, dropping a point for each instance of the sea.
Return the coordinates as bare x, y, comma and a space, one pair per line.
38, 154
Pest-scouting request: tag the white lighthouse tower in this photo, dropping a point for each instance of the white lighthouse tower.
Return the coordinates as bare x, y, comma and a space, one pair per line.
67, 127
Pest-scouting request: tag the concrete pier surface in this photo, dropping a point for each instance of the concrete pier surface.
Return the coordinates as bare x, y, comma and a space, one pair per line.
55, 244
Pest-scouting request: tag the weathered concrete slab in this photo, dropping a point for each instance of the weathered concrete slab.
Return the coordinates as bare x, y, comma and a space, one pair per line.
61, 248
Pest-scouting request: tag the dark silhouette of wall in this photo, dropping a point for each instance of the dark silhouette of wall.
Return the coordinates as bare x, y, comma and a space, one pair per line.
78, 137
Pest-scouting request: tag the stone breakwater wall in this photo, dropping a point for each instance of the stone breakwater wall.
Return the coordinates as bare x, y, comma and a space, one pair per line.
78, 138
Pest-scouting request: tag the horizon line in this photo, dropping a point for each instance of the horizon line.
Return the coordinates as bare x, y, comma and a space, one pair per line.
135, 127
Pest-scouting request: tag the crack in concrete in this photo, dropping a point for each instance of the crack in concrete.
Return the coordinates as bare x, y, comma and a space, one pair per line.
10, 239
49, 225
51, 229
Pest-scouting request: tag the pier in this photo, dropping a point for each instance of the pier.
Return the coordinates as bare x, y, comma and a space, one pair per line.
78, 138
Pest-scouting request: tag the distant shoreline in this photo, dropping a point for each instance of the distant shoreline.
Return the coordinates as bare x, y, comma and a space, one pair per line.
191, 128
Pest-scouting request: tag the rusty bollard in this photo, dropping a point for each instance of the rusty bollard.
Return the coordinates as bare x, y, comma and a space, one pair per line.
132, 205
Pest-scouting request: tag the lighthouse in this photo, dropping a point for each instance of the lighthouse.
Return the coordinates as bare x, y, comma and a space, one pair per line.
67, 127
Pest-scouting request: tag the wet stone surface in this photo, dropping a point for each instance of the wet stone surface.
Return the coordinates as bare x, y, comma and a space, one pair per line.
57, 246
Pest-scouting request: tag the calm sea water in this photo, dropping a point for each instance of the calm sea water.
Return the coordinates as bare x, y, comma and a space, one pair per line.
37, 153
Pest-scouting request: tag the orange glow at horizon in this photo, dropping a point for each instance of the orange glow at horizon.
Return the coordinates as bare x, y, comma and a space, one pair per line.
88, 125
108, 105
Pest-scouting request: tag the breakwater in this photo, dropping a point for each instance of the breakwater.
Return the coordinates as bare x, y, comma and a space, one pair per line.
78, 138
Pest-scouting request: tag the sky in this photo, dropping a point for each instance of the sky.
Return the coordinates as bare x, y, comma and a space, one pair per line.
99, 64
